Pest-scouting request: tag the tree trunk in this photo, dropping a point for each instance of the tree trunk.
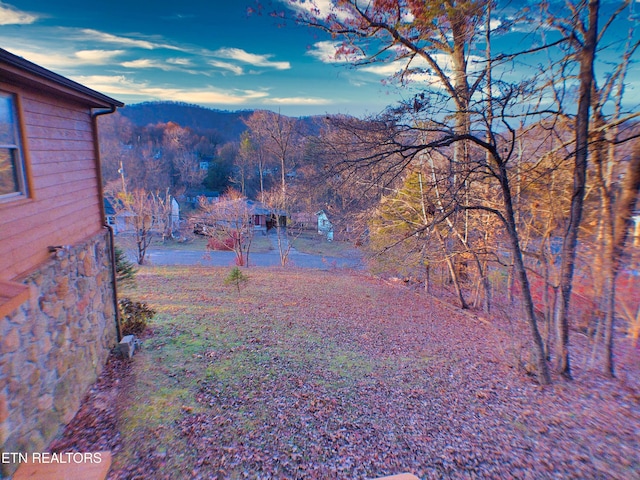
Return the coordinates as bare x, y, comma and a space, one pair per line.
569, 247
427, 278
622, 225
452, 272
540, 359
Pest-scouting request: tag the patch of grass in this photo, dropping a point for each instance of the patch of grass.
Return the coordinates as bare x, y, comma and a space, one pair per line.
195, 243
155, 402
318, 245
260, 244
152, 410
348, 364
232, 369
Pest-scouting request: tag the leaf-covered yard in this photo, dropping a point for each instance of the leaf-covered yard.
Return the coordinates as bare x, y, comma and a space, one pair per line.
311, 374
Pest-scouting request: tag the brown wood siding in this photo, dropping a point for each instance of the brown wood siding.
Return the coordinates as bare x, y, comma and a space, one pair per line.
65, 205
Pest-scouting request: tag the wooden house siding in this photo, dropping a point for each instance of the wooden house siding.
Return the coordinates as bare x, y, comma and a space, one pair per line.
59, 309
63, 208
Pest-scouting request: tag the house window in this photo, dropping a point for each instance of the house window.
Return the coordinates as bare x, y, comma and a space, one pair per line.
12, 170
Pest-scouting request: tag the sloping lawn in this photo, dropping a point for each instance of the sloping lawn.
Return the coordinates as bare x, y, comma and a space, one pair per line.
310, 374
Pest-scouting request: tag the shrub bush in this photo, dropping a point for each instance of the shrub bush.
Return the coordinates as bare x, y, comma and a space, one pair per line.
125, 270
220, 244
135, 316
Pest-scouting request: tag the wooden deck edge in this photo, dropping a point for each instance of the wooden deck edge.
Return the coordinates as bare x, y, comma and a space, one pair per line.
12, 295
400, 476
71, 465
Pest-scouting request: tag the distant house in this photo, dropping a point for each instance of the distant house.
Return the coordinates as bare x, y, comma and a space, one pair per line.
109, 212
193, 197
237, 212
160, 216
58, 316
325, 227
265, 218
261, 215
119, 219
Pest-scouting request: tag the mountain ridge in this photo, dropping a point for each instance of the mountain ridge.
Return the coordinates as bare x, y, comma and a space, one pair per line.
229, 124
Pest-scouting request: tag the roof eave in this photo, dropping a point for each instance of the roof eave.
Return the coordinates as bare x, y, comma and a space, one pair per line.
16, 68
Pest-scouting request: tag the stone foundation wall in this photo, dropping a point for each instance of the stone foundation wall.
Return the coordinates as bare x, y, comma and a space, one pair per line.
54, 346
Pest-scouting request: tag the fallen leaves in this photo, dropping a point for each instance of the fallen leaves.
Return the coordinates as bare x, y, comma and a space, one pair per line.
332, 375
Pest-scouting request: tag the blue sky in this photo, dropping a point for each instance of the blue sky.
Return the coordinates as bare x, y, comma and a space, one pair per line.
206, 52
210, 53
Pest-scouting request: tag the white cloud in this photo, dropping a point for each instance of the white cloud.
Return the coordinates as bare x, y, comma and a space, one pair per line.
251, 58
160, 64
95, 35
141, 63
297, 101
419, 70
109, 38
47, 60
327, 52
67, 60
408, 17
317, 8
205, 96
227, 66
10, 15
97, 57
183, 62
63, 40
384, 69
120, 85
388, 70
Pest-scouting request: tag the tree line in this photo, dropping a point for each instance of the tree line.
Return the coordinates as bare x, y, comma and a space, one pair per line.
485, 171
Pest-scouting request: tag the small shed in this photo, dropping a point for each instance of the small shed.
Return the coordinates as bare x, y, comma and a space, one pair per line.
175, 216
325, 227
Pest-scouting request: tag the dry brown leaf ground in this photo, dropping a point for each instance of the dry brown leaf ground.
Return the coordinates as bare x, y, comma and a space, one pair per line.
315, 374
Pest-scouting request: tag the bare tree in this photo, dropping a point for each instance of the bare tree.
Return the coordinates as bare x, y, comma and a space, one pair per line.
148, 214
229, 224
584, 27
275, 201
586, 40
277, 136
115, 131
252, 159
621, 212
